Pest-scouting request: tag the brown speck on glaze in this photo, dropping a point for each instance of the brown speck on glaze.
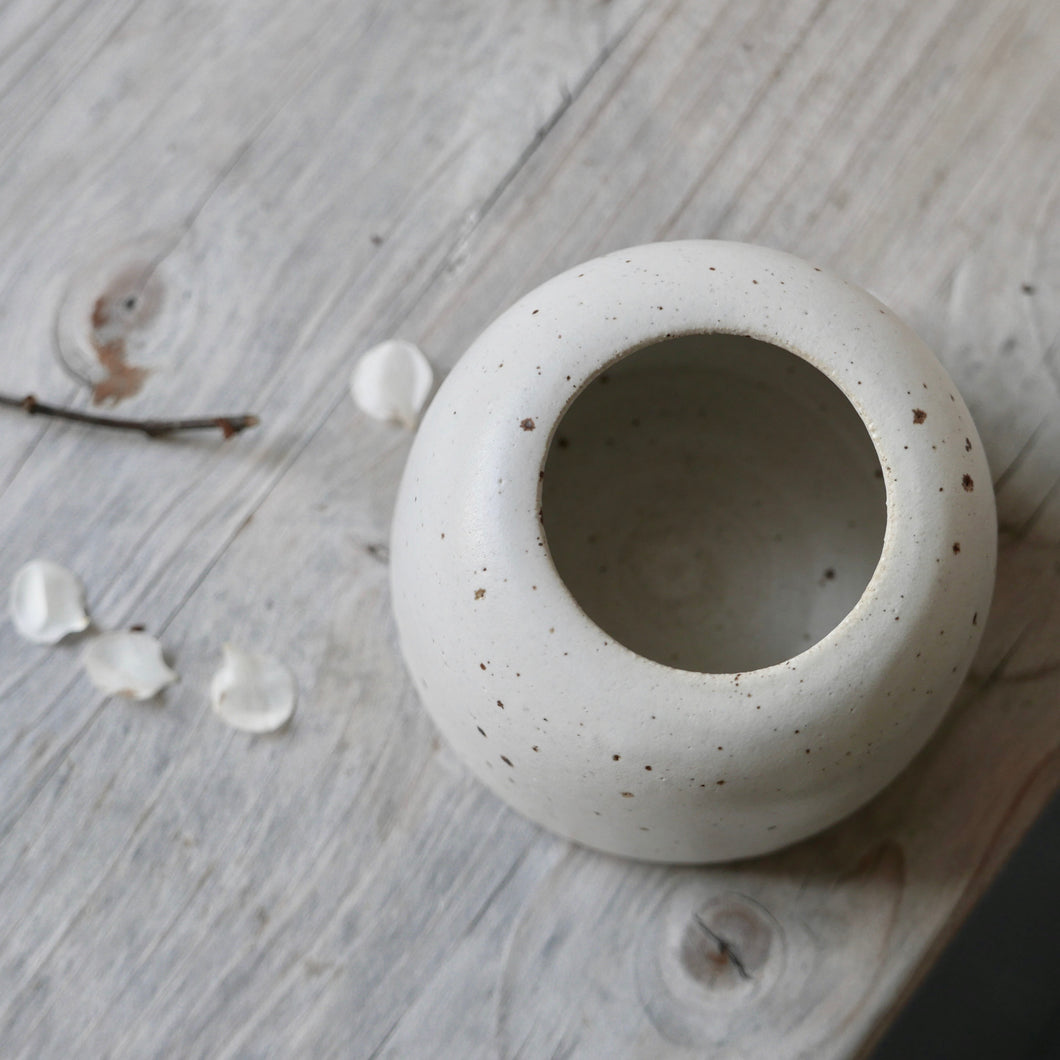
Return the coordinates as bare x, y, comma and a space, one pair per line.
627, 794
919, 415
975, 619
956, 547
1027, 288
967, 483
481, 729
615, 758
718, 782
500, 704
482, 666
967, 445
535, 312
605, 378
830, 574
648, 768
506, 760
535, 748
562, 441
480, 593
527, 424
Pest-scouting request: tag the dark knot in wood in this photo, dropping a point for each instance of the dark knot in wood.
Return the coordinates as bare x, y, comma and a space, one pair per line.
727, 942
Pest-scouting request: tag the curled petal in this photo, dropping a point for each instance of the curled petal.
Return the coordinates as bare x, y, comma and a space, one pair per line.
392, 381
252, 692
127, 664
47, 602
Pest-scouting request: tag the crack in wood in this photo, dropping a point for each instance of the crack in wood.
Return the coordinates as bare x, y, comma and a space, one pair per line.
725, 948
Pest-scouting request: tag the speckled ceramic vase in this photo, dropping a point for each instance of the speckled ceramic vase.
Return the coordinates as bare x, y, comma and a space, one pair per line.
693, 550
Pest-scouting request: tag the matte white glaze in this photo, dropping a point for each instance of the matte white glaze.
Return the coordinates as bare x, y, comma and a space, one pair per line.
562, 721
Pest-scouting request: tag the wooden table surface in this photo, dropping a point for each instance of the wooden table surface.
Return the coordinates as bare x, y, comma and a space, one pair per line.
281, 185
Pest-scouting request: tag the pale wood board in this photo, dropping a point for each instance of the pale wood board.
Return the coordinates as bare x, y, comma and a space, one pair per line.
310, 178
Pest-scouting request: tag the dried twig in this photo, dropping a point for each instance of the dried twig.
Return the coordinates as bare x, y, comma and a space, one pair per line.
227, 425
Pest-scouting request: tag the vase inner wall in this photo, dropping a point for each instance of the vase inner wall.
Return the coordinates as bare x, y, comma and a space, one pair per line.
714, 502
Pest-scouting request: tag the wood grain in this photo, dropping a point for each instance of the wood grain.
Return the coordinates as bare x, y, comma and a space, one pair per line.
303, 180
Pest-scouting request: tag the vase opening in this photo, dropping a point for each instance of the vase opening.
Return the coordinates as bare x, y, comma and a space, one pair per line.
714, 503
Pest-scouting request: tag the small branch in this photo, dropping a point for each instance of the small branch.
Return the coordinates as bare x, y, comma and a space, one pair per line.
227, 425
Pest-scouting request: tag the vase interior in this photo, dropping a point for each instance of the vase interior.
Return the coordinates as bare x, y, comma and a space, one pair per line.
714, 502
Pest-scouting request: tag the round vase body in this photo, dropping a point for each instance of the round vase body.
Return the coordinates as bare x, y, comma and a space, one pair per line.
692, 551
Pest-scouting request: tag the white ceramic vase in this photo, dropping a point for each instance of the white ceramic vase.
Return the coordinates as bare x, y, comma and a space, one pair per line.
692, 551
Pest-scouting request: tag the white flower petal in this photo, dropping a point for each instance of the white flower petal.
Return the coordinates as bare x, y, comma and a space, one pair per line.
391, 382
252, 692
127, 664
47, 602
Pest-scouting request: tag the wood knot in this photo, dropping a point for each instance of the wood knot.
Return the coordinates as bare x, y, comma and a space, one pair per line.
127, 305
708, 966
726, 942
111, 330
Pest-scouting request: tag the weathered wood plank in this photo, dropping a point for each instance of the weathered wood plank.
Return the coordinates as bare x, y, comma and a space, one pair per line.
285, 172
345, 889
